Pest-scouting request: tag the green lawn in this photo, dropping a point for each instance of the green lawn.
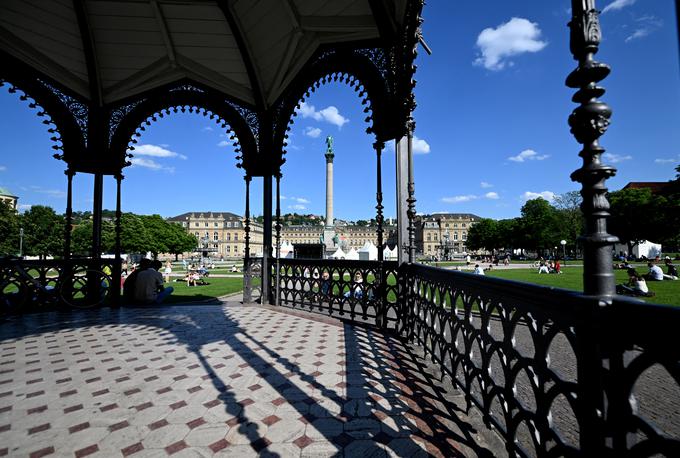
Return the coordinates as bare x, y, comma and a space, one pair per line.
217, 287
667, 292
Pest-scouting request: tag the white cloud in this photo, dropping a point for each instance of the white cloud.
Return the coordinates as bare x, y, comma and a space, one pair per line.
617, 5
668, 161
224, 143
56, 193
485, 185
207, 129
515, 37
149, 164
644, 26
547, 195
492, 195
616, 158
156, 151
24, 207
459, 199
420, 146
528, 155
330, 114
3, 168
313, 132
297, 207
300, 200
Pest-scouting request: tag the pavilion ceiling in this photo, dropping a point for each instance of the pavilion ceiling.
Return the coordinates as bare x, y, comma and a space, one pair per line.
112, 50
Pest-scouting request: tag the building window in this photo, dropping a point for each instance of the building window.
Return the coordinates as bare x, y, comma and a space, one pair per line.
228, 223
228, 248
206, 224
464, 235
196, 234
429, 237
228, 237
455, 225
184, 223
455, 236
236, 237
196, 224
463, 224
216, 237
216, 225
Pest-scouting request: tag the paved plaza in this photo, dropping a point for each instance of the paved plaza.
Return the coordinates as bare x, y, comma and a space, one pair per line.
225, 380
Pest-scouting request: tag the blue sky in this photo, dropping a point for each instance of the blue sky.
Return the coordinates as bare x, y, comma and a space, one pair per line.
491, 124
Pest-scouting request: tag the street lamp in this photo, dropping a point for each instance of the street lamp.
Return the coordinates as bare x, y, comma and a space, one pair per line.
21, 242
564, 250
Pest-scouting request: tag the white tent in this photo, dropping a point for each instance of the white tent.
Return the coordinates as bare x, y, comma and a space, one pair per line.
368, 252
352, 255
286, 249
389, 255
338, 254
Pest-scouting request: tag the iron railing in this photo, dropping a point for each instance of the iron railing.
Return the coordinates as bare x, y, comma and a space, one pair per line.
557, 373
29, 285
252, 280
363, 291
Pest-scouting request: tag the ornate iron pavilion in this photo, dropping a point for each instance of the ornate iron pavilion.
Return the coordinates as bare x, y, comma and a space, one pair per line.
99, 71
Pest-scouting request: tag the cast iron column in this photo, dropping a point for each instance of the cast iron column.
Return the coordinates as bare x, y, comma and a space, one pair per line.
266, 238
588, 122
116, 271
247, 270
401, 159
411, 200
68, 228
379, 218
278, 235
97, 215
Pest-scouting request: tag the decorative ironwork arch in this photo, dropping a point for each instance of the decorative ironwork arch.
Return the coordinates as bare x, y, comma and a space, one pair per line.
369, 78
128, 121
64, 116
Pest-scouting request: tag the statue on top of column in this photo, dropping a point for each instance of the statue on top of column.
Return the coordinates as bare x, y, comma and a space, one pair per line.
329, 144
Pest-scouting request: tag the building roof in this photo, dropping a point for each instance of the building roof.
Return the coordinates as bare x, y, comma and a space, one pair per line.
452, 216
654, 186
248, 50
5, 192
206, 215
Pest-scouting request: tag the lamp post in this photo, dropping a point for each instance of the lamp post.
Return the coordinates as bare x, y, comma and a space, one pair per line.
564, 250
21, 242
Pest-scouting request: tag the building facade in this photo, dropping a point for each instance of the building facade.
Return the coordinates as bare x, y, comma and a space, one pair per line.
348, 236
443, 235
222, 232
8, 198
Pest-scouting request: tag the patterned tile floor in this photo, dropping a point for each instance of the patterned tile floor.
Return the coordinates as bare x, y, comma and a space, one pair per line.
216, 381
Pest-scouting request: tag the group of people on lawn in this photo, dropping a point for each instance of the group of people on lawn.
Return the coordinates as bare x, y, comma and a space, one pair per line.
144, 285
637, 284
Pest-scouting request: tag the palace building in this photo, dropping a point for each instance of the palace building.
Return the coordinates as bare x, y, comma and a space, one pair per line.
223, 233
443, 234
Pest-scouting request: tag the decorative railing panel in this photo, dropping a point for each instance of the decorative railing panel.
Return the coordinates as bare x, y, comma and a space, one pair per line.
553, 371
363, 291
252, 280
27, 285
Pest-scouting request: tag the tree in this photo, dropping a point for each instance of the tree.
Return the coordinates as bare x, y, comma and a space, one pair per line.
43, 231
158, 233
134, 237
9, 230
539, 224
570, 216
634, 215
483, 235
179, 241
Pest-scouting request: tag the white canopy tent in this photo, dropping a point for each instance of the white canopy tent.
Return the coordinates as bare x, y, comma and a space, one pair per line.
338, 254
368, 252
352, 255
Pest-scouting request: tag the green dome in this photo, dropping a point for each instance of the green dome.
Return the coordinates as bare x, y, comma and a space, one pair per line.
5, 192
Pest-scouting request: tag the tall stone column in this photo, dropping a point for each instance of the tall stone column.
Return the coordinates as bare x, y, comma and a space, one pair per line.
329, 181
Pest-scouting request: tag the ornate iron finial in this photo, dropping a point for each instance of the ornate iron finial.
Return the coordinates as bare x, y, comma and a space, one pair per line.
588, 122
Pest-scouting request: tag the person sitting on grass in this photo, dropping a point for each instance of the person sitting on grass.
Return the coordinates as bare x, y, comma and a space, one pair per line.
478, 270
557, 269
636, 286
655, 273
149, 286
671, 270
543, 269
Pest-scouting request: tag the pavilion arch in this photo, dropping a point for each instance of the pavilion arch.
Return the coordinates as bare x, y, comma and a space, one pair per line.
354, 68
64, 116
125, 134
